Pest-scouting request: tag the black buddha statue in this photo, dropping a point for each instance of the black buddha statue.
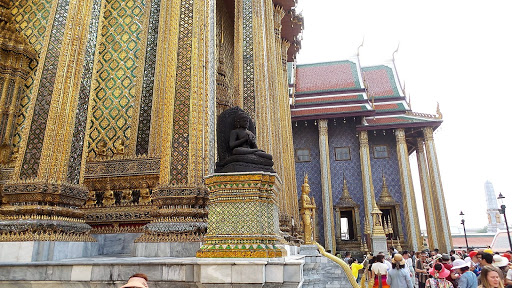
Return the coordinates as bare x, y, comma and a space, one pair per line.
236, 144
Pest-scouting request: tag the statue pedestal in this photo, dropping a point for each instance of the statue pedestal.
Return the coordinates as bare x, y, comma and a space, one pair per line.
379, 244
243, 220
309, 250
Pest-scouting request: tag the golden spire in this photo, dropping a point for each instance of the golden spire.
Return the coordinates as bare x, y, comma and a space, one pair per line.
438, 112
385, 196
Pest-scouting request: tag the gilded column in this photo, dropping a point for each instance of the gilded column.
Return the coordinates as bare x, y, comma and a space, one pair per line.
337, 221
40, 195
16, 54
366, 173
444, 235
288, 137
409, 199
252, 71
325, 170
428, 205
181, 126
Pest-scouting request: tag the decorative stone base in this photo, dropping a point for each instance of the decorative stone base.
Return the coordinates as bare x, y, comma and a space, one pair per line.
166, 249
309, 250
109, 272
243, 216
36, 251
379, 244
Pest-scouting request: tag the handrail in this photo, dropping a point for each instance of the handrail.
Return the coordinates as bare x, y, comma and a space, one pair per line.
345, 268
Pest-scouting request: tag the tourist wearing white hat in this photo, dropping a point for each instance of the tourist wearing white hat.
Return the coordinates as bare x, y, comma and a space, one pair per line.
467, 278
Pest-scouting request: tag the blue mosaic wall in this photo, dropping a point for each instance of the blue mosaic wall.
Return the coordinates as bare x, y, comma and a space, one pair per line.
388, 166
305, 136
342, 133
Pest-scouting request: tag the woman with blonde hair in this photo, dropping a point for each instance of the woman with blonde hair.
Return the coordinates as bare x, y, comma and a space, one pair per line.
490, 277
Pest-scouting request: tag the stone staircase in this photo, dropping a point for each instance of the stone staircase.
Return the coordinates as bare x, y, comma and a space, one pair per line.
320, 272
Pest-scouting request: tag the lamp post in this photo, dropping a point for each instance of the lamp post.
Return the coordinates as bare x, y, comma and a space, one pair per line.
502, 211
463, 222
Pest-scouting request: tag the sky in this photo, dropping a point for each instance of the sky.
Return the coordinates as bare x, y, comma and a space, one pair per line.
457, 53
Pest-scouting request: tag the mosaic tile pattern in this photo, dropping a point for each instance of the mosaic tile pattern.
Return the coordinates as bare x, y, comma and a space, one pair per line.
77, 145
388, 166
324, 77
32, 18
180, 140
146, 102
248, 62
343, 134
239, 216
115, 84
306, 137
32, 156
381, 81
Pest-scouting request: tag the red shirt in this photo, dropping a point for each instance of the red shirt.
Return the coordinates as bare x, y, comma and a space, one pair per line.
448, 266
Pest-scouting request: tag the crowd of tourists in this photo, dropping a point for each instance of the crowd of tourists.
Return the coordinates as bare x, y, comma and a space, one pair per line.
431, 269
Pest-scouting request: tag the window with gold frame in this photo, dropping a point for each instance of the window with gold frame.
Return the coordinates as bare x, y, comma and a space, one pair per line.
342, 154
302, 155
380, 151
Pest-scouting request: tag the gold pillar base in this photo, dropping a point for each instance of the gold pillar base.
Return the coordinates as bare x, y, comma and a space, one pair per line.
42, 211
243, 219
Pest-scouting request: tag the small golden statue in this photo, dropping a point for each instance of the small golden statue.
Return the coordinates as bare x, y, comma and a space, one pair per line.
91, 199
108, 198
145, 197
127, 196
307, 213
102, 148
120, 147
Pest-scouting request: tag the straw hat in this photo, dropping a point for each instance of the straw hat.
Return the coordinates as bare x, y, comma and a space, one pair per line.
137, 282
398, 258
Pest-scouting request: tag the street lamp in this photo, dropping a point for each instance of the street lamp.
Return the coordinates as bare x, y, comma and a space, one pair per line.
502, 211
463, 222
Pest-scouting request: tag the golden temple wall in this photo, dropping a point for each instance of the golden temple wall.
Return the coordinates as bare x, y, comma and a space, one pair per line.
118, 102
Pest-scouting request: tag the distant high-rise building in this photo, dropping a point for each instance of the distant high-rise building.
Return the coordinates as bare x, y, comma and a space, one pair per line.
493, 211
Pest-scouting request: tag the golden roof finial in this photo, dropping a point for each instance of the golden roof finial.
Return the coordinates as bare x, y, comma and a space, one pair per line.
438, 112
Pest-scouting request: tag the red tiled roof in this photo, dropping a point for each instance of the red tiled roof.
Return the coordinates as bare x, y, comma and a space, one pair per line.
327, 99
387, 107
331, 76
476, 241
380, 81
327, 110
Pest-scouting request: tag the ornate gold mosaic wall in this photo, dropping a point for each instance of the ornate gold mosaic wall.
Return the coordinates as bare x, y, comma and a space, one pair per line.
180, 137
118, 77
33, 148
225, 57
33, 18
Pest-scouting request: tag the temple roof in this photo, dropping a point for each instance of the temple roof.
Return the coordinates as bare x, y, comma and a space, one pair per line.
343, 88
327, 77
